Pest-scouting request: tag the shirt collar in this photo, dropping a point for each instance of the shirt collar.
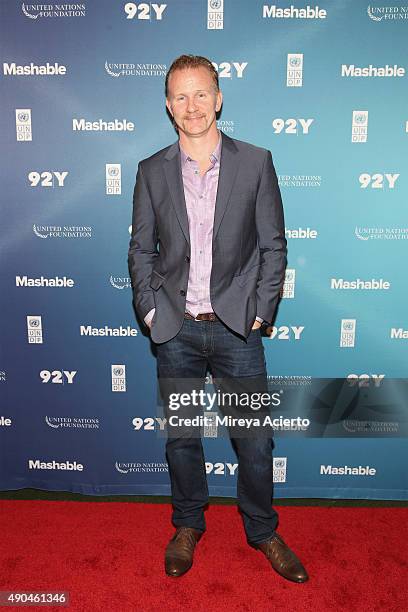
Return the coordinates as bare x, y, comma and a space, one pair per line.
214, 157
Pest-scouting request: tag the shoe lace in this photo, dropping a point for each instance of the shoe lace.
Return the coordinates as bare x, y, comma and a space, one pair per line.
285, 557
185, 537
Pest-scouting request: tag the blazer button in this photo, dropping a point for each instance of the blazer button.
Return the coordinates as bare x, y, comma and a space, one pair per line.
182, 292
187, 258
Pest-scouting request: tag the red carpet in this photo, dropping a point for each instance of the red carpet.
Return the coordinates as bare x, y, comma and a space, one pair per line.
109, 556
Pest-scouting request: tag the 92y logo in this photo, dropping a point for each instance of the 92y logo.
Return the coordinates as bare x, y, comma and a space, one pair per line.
59, 377
47, 179
144, 11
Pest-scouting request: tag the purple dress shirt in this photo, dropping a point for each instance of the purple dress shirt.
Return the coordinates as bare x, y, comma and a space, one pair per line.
200, 193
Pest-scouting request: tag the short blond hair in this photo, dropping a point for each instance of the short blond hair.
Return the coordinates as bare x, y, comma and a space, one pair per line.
192, 61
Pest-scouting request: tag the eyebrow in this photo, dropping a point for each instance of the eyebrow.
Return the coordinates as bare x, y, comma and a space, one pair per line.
180, 93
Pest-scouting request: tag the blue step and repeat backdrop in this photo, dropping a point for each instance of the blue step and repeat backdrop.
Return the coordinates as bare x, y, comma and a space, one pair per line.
324, 87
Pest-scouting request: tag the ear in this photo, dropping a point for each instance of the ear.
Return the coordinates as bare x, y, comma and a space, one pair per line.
218, 103
169, 107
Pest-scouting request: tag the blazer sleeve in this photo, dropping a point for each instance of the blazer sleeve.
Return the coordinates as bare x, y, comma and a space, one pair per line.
143, 246
270, 226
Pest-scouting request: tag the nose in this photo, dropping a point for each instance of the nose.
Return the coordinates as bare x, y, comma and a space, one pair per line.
191, 105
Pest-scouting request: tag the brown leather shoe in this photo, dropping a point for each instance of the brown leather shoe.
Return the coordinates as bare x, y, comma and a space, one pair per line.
179, 551
282, 559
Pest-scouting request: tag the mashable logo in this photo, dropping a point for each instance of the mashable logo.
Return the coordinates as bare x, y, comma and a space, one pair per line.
48, 69
36, 464
350, 70
88, 330
399, 333
346, 470
116, 125
292, 12
25, 281
372, 284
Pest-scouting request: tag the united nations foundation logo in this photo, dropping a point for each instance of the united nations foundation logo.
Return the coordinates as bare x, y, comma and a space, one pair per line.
72, 422
33, 11
381, 233
131, 69
387, 13
132, 466
299, 180
120, 282
289, 381
62, 231
370, 427
226, 126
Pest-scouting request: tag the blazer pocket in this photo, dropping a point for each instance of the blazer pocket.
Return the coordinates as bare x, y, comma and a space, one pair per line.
242, 279
156, 280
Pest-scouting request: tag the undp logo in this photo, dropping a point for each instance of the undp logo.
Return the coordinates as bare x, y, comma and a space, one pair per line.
215, 4
295, 62
33, 323
280, 463
23, 117
113, 171
360, 119
348, 326
118, 371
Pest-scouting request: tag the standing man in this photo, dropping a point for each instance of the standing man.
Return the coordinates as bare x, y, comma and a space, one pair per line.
207, 259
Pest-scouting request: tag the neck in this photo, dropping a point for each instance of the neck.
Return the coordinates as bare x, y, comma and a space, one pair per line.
202, 146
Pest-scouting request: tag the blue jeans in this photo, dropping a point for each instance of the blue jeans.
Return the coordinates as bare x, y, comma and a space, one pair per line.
200, 344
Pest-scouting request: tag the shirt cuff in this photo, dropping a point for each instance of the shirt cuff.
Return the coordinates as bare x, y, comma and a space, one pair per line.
259, 319
148, 318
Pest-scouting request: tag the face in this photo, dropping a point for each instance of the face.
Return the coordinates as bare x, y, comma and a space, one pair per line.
192, 101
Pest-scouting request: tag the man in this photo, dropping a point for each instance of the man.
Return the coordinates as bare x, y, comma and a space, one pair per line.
207, 259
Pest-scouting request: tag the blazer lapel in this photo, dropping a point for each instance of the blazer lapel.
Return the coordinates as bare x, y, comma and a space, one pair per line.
229, 164
172, 171
228, 170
